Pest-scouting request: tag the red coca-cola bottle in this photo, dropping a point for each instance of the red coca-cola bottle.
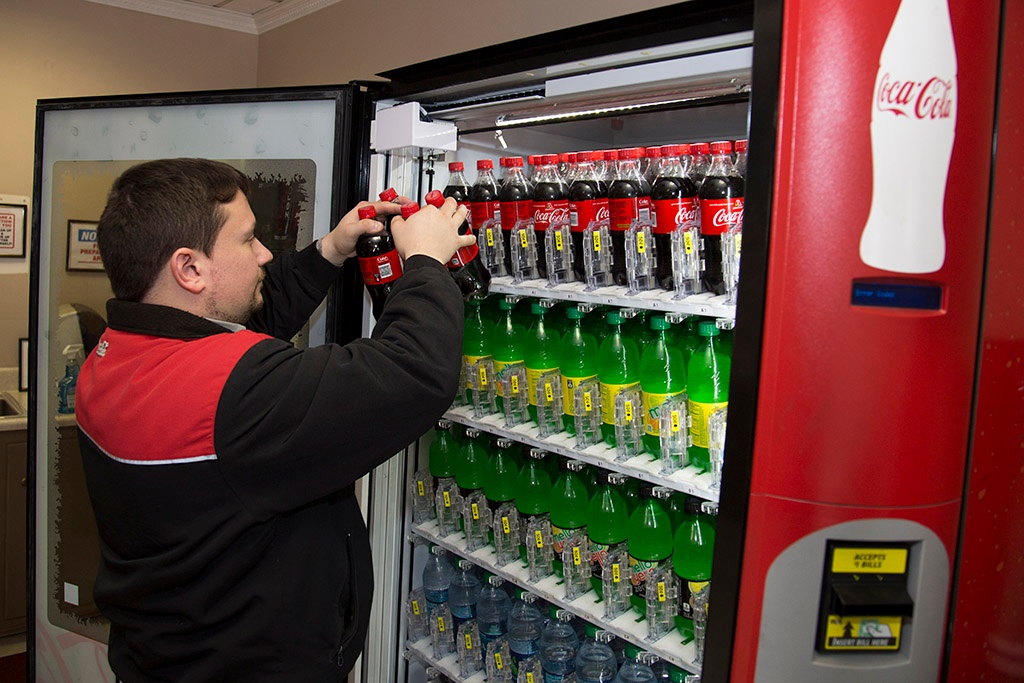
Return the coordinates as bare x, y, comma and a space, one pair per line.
721, 205
740, 164
379, 262
651, 164
674, 201
588, 202
629, 199
483, 196
516, 203
700, 152
465, 266
550, 204
567, 166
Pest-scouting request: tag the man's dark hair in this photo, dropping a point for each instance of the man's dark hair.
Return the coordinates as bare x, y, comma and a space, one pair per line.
157, 207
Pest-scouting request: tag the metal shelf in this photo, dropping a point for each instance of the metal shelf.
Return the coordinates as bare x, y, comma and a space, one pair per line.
643, 466
627, 626
449, 665
706, 304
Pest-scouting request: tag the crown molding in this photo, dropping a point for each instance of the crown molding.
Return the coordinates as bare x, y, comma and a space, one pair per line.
265, 20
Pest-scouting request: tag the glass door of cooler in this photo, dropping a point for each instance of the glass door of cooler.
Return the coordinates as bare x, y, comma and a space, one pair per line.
695, 92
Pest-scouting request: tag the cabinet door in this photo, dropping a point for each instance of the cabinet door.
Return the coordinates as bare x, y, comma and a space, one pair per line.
13, 606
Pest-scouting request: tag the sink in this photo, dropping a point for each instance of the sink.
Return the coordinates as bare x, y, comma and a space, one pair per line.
10, 407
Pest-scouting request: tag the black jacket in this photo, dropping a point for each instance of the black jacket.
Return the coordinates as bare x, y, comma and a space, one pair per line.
221, 466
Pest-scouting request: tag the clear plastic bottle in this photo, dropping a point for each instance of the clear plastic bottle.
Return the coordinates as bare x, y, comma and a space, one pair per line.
525, 624
437, 576
595, 660
635, 669
558, 646
492, 610
463, 592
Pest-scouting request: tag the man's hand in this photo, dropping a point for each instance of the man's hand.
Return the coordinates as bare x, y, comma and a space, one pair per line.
433, 232
340, 243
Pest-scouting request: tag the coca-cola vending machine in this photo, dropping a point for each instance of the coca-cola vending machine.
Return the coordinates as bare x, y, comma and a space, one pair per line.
866, 352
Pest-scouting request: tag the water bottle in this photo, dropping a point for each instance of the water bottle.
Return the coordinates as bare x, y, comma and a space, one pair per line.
463, 593
437, 576
636, 668
558, 646
525, 624
595, 661
492, 610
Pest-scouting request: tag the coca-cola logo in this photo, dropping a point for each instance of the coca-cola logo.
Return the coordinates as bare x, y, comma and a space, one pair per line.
727, 216
551, 215
602, 213
931, 99
686, 214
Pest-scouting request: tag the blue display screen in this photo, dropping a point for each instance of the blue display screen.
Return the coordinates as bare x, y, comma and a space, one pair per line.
925, 296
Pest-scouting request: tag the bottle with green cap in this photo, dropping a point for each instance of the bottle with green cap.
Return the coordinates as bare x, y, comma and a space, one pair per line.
607, 531
476, 348
662, 376
618, 367
707, 390
533, 501
443, 452
693, 549
569, 516
650, 540
500, 490
636, 668
577, 362
507, 347
541, 358
470, 475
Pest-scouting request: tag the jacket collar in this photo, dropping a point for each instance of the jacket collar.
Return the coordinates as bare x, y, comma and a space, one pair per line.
159, 321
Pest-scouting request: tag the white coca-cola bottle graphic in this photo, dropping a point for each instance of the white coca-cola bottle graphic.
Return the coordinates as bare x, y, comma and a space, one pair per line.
913, 123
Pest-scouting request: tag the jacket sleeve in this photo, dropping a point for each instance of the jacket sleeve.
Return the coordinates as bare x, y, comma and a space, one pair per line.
295, 425
296, 283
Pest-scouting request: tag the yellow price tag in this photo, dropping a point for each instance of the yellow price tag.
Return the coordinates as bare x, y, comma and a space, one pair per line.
588, 404
469, 642
483, 377
628, 408
558, 241
661, 591
675, 420
515, 384
447, 499
616, 574
529, 677
475, 510
522, 238
549, 395
576, 559
497, 661
597, 241
739, 243
490, 237
416, 607
640, 246
688, 242
505, 528
420, 491
538, 538
440, 624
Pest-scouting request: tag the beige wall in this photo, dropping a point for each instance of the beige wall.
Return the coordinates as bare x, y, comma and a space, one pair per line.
355, 39
73, 48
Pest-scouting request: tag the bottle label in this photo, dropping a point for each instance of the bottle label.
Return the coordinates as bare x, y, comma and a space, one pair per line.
639, 571
686, 592
700, 413
380, 269
481, 212
670, 213
532, 377
582, 214
558, 538
513, 212
546, 213
598, 556
608, 393
652, 413
717, 215
501, 372
463, 256
569, 385
623, 211
475, 380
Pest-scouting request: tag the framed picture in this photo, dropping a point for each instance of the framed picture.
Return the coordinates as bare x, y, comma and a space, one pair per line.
83, 252
23, 364
12, 230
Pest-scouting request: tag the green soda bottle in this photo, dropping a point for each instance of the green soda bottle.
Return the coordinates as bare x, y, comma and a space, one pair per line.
540, 354
533, 495
685, 337
607, 522
444, 452
470, 475
507, 341
577, 361
650, 540
500, 489
707, 390
476, 346
693, 549
631, 494
569, 513
662, 376
618, 367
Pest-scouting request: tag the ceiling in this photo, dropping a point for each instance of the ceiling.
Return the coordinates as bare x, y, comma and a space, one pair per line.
247, 16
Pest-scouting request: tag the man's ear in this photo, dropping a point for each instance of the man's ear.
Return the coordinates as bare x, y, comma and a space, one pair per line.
188, 270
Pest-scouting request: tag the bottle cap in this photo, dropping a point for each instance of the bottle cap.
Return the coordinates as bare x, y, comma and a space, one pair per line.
409, 209
388, 195
659, 322
434, 198
631, 153
670, 151
692, 505
563, 157
741, 145
721, 147
537, 309
611, 155
685, 148
505, 304
708, 328
700, 147
483, 164
503, 161
549, 159
632, 651
367, 212
653, 151
515, 162
456, 166
613, 318
573, 313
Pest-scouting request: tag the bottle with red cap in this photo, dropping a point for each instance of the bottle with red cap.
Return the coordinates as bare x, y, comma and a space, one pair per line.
674, 199
516, 204
465, 266
700, 151
378, 260
740, 164
651, 163
721, 206
550, 205
485, 210
588, 202
629, 199
567, 166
